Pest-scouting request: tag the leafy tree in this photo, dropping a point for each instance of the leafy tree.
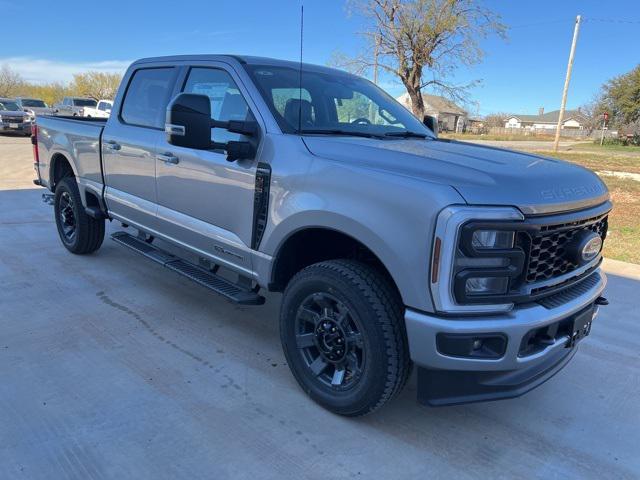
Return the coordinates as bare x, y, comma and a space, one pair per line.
96, 85
10, 82
621, 97
423, 42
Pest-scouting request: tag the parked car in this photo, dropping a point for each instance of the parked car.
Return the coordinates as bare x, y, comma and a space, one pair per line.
102, 110
34, 106
392, 247
74, 106
13, 118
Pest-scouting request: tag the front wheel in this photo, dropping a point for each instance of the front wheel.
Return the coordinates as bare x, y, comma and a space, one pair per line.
343, 335
80, 233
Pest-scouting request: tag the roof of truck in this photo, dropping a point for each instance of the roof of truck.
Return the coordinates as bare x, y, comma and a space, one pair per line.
245, 59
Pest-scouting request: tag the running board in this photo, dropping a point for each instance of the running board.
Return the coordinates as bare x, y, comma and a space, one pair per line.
207, 279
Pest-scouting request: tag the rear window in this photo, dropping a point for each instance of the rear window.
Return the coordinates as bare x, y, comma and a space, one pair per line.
147, 97
84, 102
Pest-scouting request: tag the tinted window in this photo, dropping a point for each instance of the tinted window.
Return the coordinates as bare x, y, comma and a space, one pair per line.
227, 103
104, 106
147, 96
330, 101
84, 102
10, 106
33, 103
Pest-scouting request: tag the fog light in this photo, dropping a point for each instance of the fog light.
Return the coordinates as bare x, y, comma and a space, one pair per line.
486, 285
484, 345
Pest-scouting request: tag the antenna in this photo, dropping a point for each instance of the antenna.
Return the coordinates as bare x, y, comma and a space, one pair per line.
300, 70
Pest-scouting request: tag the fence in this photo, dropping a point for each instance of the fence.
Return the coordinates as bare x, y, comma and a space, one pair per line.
530, 132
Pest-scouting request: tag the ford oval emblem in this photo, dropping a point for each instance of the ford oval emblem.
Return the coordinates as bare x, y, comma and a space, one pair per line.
591, 248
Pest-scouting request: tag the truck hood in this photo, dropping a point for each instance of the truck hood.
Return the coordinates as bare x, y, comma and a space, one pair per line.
482, 175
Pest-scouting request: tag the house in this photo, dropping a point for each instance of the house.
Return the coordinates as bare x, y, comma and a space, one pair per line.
451, 117
572, 119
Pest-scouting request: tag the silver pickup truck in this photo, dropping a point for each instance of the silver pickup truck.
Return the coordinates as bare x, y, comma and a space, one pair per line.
392, 247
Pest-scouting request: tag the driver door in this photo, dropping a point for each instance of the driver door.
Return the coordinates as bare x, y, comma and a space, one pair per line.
205, 202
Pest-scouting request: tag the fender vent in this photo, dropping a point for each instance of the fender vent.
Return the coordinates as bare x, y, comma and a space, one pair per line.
260, 204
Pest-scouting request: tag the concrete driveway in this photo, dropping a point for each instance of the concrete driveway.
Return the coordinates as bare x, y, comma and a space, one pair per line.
112, 367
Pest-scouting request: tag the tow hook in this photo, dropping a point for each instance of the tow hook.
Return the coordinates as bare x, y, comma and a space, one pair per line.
602, 301
47, 198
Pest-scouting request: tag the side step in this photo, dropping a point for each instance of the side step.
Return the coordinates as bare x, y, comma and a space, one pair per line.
209, 280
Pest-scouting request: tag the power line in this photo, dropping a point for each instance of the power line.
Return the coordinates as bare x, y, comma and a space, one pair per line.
611, 20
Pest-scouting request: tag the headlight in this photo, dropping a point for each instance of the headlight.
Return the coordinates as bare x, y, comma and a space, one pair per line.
474, 259
485, 239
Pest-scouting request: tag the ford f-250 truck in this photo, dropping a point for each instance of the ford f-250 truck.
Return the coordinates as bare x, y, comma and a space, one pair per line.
392, 247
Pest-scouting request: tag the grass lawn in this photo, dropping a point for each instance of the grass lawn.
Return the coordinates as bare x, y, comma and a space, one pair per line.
623, 239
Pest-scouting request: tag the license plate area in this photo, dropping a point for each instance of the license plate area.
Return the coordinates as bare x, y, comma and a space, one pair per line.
581, 326
572, 329
14, 125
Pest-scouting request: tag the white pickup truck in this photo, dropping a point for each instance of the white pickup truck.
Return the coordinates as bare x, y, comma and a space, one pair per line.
101, 110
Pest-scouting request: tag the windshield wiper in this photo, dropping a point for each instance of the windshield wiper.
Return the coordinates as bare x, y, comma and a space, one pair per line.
406, 134
338, 132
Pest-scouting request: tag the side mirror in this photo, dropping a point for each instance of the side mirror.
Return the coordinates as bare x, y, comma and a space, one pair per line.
431, 123
188, 121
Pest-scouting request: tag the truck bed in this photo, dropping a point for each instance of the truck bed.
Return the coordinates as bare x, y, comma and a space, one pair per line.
76, 139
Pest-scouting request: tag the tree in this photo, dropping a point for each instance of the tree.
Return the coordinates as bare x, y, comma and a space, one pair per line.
96, 85
10, 82
423, 42
496, 119
621, 98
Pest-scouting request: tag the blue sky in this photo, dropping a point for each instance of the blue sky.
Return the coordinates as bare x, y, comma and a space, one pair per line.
518, 75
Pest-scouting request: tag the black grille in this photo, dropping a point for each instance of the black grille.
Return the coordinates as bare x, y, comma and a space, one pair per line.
548, 253
8, 120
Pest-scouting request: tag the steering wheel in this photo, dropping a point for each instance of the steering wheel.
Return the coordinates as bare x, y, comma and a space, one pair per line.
361, 121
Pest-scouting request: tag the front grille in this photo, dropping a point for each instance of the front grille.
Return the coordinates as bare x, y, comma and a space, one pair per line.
548, 253
8, 120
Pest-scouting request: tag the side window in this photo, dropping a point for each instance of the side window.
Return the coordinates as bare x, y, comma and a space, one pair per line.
147, 96
227, 103
66, 101
287, 103
102, 106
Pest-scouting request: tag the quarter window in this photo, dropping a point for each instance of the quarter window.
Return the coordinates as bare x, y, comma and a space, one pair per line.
147, 97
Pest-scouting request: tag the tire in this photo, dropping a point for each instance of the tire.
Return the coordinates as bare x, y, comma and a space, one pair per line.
79, 233
346, 314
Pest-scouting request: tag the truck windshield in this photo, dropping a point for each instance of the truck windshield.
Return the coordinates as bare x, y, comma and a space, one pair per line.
33, 103
81, 102
333, 103
9, 106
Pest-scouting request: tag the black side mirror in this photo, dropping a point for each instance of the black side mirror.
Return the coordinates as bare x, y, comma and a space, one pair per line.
431, 123
188, 121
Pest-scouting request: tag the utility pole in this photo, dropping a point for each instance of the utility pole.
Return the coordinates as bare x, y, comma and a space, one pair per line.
576, 29
375, 60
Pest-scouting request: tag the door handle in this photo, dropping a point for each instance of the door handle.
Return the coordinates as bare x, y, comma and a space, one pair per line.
112, 145
168, 158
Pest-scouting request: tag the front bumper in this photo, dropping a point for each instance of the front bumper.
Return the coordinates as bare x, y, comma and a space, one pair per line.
445, 380
23, 128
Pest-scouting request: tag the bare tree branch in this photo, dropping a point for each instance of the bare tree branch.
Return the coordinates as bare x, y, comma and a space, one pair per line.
414, 37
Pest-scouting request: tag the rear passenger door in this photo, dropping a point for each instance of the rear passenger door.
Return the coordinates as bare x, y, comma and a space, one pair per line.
204, 201
129, 145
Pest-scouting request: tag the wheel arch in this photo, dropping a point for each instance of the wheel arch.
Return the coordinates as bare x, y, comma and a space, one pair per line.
311, 244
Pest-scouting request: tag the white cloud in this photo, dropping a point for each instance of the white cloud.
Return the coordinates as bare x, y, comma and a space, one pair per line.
39, 70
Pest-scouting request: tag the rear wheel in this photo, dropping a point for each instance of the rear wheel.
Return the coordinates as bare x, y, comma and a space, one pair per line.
343, 334
79, 232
